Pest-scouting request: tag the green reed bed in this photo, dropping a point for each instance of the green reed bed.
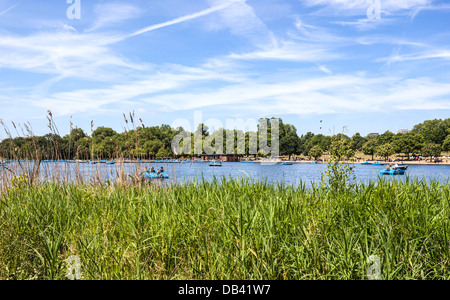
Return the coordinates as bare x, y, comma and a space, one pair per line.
225, 229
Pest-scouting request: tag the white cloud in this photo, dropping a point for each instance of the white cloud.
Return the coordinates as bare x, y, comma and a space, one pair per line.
186, 18
291, 51
8, 9
113, 13
65, 54
424, 55
325, 69
366, 23
360, 7
240, 18
131, 92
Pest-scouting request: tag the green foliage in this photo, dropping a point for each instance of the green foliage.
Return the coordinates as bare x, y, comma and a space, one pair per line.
408, 143
433, 131
289, 140
226, 230
370, 147
385, 150
357, 142
146, 142
309, 141
431, 149
316, 152
339, 177
385, 138
340, 148
446, 143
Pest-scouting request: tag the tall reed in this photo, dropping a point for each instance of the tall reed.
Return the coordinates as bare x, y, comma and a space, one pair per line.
225, 229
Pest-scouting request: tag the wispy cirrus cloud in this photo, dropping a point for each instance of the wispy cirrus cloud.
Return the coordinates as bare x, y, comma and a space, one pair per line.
317, 95
188, 17
241, 20
227, 59
8, 9
417, 56
113, 13
428, 7
184, 89
291, 51
63, 53
360, 7
169, 78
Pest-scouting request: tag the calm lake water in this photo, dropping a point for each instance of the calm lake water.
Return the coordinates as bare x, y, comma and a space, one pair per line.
300, 172
277, 173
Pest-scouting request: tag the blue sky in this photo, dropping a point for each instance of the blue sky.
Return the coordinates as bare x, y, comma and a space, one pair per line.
305, 61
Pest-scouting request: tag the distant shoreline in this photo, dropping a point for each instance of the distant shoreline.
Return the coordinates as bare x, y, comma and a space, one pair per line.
447, 163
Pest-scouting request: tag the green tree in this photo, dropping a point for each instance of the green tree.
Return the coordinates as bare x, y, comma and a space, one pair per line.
341, 147
305, 143
357, 142
431, 149
385, 138
162, 153
316, 152
369, 147
446, 143
408, 143
104, 141
433, 131
385, 150
289, 140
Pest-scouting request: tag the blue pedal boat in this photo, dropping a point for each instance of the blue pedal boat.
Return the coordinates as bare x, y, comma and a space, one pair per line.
392, 171
154, 175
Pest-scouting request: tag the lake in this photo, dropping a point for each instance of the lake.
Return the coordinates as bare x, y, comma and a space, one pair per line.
298, 172
277, 173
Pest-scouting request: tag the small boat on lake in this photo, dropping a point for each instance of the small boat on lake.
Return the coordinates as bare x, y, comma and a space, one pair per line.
247, 161
216, 164
154, 175
287, 164
366, 163
392, 171
378, 164
401, 166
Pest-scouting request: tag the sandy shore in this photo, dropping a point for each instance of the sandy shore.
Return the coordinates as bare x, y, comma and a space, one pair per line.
412, 162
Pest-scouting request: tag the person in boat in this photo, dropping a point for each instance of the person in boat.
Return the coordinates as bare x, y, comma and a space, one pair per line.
160, 172
152, 170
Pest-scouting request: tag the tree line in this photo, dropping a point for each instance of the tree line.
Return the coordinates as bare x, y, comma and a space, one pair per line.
428, 139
